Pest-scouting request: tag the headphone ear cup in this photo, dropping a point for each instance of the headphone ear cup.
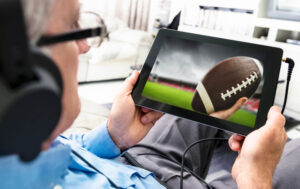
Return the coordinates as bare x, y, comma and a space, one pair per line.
30, 113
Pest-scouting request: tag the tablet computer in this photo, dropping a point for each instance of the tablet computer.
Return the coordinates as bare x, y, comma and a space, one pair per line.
192, 76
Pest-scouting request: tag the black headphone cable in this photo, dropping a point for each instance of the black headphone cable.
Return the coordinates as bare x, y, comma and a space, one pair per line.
289, 75
187, 149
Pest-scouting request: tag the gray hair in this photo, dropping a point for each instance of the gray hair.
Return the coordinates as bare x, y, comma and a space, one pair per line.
36, 14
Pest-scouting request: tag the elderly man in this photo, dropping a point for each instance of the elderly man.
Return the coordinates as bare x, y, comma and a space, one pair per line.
87, 161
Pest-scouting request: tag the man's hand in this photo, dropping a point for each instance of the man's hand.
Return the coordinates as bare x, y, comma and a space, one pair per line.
226, 114
259, 152
128, 124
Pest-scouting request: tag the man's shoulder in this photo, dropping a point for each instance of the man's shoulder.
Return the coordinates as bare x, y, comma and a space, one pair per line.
17, 174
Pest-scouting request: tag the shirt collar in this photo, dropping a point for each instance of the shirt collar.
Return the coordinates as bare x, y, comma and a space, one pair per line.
117, 173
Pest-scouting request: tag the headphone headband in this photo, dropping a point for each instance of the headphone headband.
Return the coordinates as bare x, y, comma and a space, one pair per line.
14, 46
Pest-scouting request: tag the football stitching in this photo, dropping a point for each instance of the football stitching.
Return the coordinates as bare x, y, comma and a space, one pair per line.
247, 82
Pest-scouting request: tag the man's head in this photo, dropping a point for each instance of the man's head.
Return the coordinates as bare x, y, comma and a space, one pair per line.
52, 17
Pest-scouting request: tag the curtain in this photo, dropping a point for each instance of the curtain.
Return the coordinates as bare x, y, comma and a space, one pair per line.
135, 13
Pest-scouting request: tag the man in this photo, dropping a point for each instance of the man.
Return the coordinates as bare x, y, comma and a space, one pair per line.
86, 161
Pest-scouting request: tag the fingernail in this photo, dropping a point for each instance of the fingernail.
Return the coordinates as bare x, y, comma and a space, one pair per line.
134, 72
276, 108
234, 145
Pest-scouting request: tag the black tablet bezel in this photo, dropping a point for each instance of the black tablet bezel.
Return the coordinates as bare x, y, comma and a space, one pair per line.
271, 74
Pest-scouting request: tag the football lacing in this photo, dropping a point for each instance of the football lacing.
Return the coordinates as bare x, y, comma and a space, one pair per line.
247, 82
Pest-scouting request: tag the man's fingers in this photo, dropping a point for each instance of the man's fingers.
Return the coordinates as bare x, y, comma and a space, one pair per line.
151, 117
235, 146
130, 82
235, 142
145, 110
238, 137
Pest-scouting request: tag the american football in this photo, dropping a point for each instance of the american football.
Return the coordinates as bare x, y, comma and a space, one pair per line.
226, 82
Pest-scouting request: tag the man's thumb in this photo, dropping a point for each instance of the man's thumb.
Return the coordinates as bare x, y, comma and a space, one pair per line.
130, 82
275, 118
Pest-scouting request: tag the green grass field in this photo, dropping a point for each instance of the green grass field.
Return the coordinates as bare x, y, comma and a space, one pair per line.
180, 98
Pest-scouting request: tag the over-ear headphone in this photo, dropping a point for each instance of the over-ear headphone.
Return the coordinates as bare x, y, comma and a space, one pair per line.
30, 88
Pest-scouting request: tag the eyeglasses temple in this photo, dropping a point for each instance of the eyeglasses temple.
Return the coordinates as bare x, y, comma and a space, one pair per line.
76, 35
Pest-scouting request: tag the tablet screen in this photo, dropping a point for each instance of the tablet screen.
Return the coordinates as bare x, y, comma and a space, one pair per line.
205, 77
